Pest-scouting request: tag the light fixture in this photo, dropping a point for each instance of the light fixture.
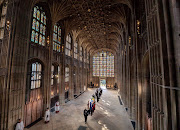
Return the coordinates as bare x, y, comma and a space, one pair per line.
129, 40
8, 25
89, 10
138, 26
48, 40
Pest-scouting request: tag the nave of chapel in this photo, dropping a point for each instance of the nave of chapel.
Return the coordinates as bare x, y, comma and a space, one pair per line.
62, 51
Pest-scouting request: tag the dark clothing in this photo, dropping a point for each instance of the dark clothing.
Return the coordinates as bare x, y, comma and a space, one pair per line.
97, 98
90, 111
85, 112
85, 118
85, 115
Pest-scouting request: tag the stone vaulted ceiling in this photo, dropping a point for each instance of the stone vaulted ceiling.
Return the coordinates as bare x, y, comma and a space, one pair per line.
95, 24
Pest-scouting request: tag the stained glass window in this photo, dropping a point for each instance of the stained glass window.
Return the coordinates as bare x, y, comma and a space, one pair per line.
103, 64
38, 26
36, 75
76, 50
57, 38
68, 45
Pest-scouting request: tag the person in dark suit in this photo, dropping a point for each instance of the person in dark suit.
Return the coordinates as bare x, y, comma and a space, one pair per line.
85, 115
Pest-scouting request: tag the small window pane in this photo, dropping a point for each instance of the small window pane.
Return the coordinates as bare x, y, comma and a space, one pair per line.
41, 28
45, 20
37, 25
34, 24
36, 38
40, 39
32, 36
38, 15
42, 16
35, 12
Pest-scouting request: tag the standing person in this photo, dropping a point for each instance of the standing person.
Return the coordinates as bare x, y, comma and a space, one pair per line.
94, 105
91, 107
85, 115
57, 107
47, 116
19, 125
97, 97
101, 91
88, 108
96, 92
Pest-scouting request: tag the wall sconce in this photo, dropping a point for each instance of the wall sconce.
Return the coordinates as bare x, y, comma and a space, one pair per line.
138, 26
62, 48
8, 25
48, 41
129, 41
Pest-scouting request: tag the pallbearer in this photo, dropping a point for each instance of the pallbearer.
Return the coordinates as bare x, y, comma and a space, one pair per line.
91, 107
47, 116
57, 107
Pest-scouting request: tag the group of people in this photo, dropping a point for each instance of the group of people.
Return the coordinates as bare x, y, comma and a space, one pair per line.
91, 103
90, 109
47, 112
20, 125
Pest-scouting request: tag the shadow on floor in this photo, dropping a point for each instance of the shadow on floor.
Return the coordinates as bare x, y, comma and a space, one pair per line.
82, 128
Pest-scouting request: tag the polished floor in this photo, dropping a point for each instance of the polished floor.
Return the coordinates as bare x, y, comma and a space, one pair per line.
109, 115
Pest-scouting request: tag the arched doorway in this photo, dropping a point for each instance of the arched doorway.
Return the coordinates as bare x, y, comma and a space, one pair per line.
67, 76
55, 84
103, 83
34, 92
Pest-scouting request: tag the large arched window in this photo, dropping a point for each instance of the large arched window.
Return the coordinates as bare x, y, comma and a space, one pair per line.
88, 57
85, 55
103, 64
81, 53
76, 50
68, 45
38, 26
57, 38
66, 78
36, 75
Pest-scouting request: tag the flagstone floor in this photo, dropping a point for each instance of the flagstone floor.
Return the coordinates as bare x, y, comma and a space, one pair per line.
109, 115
